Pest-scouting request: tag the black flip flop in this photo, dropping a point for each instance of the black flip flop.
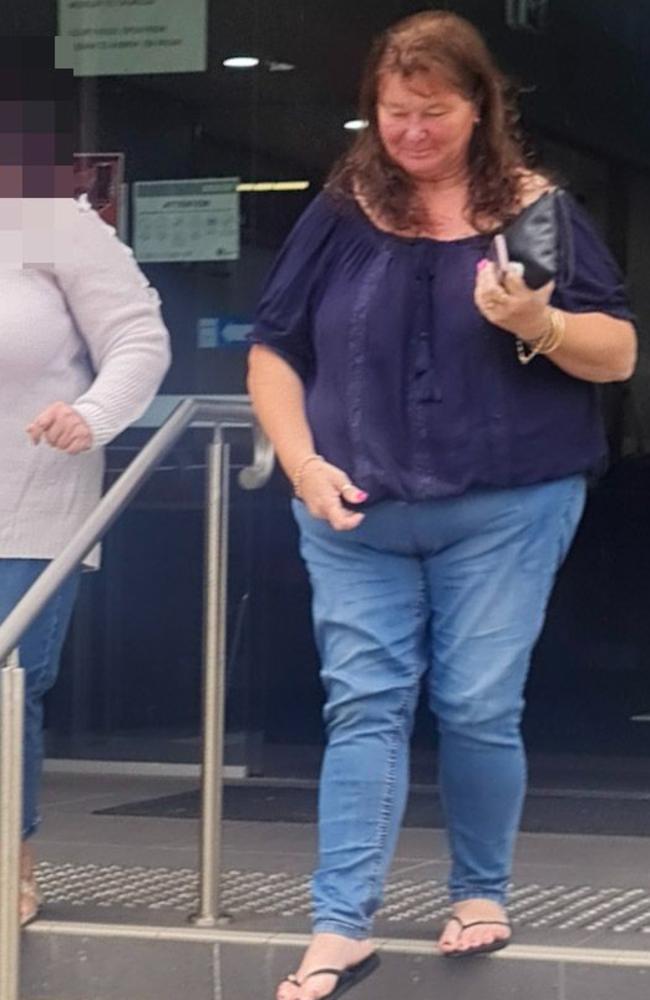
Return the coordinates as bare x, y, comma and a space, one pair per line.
481, 949
346, 978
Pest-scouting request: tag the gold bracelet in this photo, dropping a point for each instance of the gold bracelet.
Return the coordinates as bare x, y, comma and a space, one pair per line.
296, 479
557, 332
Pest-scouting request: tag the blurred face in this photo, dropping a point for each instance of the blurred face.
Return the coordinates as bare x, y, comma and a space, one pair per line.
425, 125
35, 149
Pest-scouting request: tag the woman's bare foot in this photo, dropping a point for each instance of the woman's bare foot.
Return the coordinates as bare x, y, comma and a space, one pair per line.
455, 938
30, 898
326, 951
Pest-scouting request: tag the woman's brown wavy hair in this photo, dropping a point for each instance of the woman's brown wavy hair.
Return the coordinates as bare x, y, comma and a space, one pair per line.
441, 42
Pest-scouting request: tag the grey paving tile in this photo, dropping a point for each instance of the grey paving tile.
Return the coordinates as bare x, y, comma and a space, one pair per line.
625, 852
422, 871
244, 974
584, 982
597, 861
67, 852
95, 831
624, 940
113, 914
262, 861
485, 978
583, 871
421, 845
59, 968
277, 838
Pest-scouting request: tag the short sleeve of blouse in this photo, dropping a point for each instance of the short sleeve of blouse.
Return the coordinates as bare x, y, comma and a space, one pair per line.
592, 280
283, 317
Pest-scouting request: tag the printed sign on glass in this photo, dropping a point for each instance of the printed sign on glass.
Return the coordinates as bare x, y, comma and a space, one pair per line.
189, 220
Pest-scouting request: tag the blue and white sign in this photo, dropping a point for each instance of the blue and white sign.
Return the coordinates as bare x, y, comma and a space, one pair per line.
222, 331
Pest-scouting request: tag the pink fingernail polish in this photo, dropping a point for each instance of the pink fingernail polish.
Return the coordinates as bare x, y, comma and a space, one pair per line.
361, 496
482, 264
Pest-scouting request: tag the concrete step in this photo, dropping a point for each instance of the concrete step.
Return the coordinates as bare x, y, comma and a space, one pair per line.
119, 932
118, 891
83, 961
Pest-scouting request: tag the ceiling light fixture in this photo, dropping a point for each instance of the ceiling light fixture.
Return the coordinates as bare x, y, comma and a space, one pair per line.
356, 124
276, 66
241, 62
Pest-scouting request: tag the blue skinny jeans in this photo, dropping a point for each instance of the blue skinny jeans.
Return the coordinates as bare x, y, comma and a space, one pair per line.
40, 651
451, 593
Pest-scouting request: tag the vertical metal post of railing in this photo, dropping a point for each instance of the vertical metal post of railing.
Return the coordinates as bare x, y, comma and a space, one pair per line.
215, 585
12, 709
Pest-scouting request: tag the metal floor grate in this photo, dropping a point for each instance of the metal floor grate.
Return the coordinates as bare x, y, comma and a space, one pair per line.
283, 895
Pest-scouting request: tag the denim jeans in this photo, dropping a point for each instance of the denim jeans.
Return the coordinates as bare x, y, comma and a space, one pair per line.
452, 593
40, 650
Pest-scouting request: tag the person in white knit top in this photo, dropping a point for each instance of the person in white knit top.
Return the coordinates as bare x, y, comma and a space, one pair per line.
83, 349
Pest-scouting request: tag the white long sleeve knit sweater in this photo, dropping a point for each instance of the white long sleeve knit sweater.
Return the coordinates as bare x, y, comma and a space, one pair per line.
78, 323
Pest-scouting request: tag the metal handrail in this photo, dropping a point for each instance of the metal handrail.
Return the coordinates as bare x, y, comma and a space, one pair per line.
220, 413
12, 706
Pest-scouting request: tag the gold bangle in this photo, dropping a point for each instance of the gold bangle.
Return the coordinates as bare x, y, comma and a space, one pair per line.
296, 479
557, 332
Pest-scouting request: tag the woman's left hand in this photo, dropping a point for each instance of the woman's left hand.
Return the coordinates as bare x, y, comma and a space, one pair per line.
63, 428
511, 304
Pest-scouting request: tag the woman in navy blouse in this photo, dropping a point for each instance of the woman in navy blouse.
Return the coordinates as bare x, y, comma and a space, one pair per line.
439, 476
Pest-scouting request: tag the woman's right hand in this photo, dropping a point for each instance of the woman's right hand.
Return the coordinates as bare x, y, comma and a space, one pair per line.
63, 428
322, 489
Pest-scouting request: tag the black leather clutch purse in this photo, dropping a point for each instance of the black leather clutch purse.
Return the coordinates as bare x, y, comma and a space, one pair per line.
540, 238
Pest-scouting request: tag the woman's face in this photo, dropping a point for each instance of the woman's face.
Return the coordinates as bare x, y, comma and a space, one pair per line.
425, 125
36, 149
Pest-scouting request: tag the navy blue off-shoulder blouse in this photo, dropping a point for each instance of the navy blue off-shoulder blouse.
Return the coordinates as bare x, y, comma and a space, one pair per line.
408, 388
